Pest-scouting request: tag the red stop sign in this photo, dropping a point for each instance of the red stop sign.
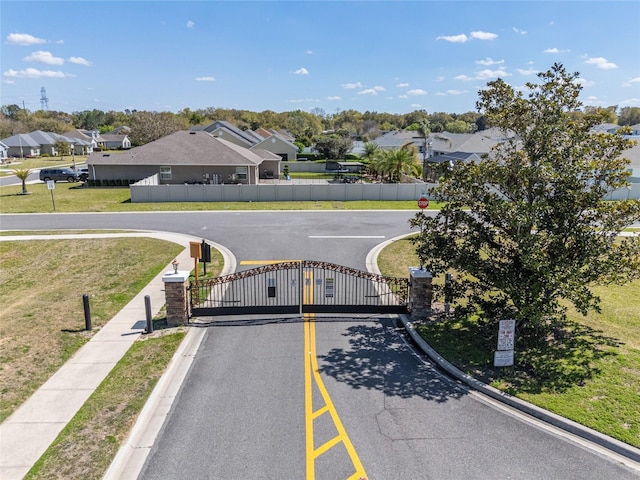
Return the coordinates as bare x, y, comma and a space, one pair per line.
423, 202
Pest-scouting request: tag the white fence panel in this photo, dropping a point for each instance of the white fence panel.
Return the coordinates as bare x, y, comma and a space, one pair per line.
291, 192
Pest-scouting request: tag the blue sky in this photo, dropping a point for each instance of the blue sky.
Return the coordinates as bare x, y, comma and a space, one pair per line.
384, 56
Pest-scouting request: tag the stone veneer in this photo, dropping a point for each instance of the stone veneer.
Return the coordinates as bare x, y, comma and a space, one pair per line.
421, 293
176, 297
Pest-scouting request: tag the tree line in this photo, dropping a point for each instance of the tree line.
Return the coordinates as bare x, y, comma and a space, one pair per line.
306, 127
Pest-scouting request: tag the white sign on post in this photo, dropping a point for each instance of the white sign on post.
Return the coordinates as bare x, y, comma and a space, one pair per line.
503, 358
506, 334
506, 343
51, 185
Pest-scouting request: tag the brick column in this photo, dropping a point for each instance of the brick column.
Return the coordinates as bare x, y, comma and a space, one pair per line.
176, 297
421, 293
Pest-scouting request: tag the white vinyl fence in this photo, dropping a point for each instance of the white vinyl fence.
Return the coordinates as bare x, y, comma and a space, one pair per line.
345, 192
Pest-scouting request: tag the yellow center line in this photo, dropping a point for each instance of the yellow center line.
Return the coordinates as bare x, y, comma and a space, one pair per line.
312, 373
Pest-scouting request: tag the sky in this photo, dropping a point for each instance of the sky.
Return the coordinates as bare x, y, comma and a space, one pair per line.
383, 56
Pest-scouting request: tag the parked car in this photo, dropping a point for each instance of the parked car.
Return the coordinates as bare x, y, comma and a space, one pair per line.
56, 174
83, 174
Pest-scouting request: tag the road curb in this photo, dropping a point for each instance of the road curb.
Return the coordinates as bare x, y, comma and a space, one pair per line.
132, 455
565, 424
616, 446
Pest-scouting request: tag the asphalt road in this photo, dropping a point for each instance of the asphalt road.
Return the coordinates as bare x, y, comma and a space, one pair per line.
375, 408
343, 237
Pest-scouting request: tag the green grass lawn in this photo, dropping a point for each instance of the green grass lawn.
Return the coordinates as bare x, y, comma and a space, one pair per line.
590, 375
43, 325
73, 197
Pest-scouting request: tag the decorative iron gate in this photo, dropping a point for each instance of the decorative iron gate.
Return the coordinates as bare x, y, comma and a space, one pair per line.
306, 286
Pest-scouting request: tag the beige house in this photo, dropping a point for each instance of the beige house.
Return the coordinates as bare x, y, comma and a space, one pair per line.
185, 157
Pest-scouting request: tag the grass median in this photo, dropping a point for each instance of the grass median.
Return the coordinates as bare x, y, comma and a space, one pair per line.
591, 374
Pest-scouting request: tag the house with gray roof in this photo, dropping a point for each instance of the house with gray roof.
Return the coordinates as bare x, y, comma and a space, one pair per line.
115, 141
21, 145
186, 157
263, 139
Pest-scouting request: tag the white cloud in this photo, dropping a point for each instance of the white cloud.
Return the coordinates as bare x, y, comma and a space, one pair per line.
190, 24
630, 102
334, 97
303, 100
80, 61
35, 73
489, 61
23, 39
584, 82
205, 79
417, 91
301, 71
633, 80
487, 74
554, 50
8, 82
309, 52
415, 105
371, 91
44, 57
528, 71
402, 85
601, 63
521, 32
351, 85
440, 79
454, 38
455, 92
484, 75
483, 35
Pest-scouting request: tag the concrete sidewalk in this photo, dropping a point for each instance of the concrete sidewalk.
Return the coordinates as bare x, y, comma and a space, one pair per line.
29, 431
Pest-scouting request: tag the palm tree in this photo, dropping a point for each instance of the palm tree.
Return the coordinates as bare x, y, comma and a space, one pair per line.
371, 150
402, 161
23, 174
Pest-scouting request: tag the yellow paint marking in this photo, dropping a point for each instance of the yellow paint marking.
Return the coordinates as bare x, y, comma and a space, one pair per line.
319, 412
327, 446
312, 374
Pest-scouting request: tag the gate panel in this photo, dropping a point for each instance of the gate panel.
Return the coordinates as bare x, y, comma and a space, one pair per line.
268, 289
339, 289
299, 287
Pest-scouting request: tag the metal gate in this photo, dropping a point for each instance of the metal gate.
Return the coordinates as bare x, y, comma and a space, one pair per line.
306, 286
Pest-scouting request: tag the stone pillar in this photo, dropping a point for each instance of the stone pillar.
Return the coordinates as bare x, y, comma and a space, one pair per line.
176, 297
421, 293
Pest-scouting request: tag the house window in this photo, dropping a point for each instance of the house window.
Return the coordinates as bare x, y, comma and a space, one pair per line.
165, 173
241, 173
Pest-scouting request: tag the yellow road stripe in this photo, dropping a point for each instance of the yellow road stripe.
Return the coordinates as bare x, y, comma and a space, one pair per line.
327, 446
312, 372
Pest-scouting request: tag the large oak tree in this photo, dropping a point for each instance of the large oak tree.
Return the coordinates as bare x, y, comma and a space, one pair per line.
526, 229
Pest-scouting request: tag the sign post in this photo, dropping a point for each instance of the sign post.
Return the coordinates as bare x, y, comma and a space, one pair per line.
195, 249
503, 356
51, 185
